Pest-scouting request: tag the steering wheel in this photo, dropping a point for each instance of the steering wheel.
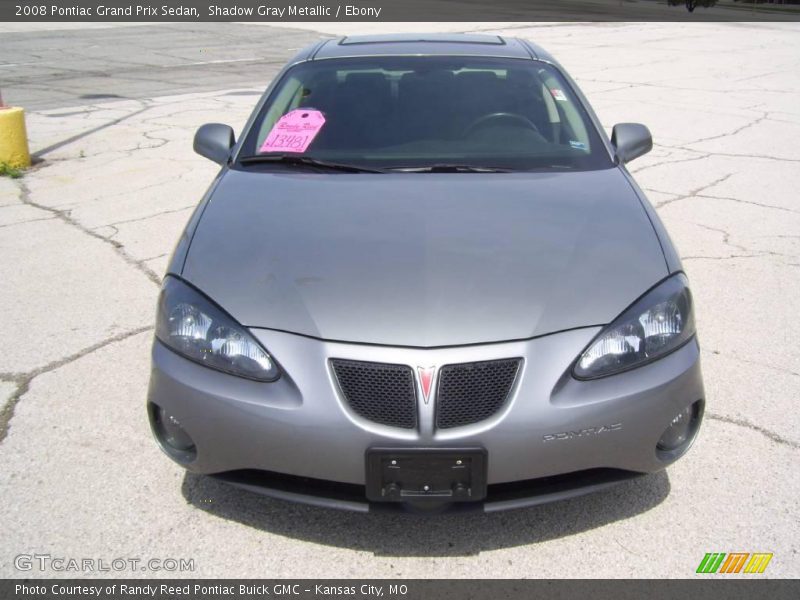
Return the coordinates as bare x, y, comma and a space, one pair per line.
507, 116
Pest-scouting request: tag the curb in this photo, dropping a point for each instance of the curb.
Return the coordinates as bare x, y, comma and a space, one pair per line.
14, 138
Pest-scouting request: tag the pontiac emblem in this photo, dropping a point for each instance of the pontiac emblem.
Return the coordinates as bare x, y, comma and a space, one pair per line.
425, 381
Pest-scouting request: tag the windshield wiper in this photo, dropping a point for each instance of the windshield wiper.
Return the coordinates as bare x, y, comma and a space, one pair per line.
291, 159
452, 168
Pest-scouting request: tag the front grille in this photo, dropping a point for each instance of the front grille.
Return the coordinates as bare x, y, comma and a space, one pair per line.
378, 392
471, 392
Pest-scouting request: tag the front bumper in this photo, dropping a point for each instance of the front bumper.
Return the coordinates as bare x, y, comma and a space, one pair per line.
585, 434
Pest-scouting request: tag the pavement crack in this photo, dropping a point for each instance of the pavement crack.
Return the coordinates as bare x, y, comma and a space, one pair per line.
625, 548
731, 257
726, 236
694, 192
64, 216
706, 154
50, 218
752, 123
23, 380
778, 439
670, 162
752, 202
160, 141
736, 155
148, 217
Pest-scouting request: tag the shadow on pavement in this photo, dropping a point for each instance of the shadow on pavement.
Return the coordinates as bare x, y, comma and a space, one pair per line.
405, 534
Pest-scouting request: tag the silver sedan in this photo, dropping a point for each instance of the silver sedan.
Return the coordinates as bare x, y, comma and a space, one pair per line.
424, 278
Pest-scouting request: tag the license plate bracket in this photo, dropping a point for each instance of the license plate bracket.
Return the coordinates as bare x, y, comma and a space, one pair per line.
426, 474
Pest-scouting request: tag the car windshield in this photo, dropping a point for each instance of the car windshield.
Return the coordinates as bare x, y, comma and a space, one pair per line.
421, 113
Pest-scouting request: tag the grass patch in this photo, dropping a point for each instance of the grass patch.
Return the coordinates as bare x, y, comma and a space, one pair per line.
7, 170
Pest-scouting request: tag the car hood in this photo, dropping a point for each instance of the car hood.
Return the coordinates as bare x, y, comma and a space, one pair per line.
424, 259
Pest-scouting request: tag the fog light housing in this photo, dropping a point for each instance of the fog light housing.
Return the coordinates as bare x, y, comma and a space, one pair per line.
680, 433
172, 436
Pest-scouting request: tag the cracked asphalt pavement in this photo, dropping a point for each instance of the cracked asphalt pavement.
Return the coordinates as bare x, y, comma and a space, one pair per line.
85, 237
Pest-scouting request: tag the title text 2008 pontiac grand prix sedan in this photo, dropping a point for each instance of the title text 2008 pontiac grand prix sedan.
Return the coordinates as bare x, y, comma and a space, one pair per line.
424, 278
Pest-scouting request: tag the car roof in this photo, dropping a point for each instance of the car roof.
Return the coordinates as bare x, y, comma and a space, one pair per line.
416, 44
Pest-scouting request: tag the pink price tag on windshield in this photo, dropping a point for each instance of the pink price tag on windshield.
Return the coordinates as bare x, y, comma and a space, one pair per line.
294, 131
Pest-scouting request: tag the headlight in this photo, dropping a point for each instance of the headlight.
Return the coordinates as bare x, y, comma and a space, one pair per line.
659, 322
194, 327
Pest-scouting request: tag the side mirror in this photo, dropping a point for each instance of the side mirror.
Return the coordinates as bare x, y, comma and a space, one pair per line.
631, 140
214, 141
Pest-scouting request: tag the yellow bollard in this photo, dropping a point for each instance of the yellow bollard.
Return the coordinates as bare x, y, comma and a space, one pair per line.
13, 138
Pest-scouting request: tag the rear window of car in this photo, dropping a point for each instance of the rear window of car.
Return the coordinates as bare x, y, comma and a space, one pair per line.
406, 112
